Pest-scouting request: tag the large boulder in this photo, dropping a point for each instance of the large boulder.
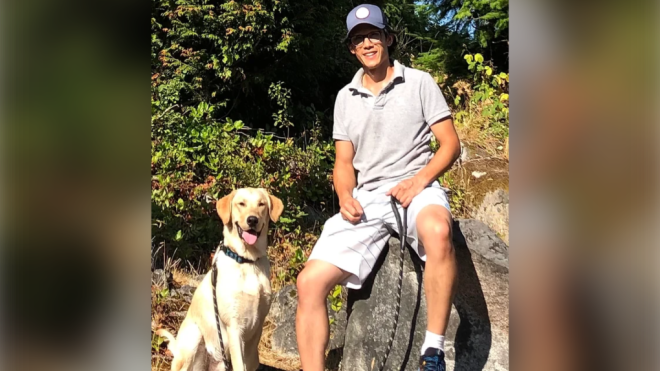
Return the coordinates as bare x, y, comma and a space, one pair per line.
477, 334
494, 211
478, 237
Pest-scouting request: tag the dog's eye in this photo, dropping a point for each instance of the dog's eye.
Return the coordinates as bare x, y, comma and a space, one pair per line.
242, 204
261, 204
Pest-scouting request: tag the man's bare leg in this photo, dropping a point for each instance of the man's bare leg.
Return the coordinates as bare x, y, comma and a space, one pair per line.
434, 229
312, 324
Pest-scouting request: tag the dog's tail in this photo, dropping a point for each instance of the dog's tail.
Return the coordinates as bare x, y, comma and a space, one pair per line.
171, 341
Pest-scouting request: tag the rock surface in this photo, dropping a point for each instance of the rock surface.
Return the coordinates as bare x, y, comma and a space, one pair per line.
494, 211
372, 311
283, 314
160, 278
478, 237
477, 334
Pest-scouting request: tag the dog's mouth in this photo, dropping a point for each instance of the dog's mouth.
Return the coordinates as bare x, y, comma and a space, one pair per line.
248, 235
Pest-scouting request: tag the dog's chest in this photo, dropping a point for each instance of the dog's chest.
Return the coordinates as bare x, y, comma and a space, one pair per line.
253, 293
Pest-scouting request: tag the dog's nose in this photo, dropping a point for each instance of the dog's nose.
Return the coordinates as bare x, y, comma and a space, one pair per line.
252, 221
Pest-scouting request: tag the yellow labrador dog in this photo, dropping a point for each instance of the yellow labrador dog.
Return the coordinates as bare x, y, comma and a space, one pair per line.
243, 289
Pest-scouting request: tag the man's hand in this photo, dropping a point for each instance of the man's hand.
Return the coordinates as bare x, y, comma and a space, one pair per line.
406, 190
351, 210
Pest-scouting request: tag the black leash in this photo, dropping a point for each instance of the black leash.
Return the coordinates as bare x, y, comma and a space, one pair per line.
403, 232
214, 279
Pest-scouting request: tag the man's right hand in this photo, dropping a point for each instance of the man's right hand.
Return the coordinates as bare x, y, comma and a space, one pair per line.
351, 210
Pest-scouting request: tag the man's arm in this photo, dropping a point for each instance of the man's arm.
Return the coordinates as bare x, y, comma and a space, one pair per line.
447, 154
450, 149
344, 173
344, 180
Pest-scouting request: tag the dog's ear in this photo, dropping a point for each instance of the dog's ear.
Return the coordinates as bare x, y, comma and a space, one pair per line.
224, 208
276, 208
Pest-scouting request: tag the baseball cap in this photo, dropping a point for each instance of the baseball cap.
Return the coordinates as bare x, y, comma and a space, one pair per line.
366, 13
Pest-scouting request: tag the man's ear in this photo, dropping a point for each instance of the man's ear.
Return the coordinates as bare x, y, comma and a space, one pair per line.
224, 208
276, 208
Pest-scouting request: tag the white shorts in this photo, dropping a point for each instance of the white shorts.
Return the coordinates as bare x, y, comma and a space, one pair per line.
355, 248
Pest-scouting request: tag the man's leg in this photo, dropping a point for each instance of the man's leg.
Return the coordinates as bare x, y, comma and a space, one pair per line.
434, 230
312, 325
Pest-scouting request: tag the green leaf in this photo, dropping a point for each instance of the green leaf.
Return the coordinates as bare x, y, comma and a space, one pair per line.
479, 58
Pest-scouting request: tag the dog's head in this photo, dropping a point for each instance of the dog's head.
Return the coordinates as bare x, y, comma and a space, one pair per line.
248, 211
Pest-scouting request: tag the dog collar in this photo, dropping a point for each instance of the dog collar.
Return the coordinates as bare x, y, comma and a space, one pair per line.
230, 253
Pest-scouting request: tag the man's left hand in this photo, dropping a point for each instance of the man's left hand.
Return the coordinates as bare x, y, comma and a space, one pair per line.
406, 190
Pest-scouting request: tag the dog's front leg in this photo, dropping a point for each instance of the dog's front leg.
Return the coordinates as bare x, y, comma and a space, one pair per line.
236, 347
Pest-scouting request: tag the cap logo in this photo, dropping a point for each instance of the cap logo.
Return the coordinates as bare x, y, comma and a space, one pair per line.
362, 13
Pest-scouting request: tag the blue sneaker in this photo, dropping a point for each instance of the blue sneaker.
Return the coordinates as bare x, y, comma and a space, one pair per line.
432, 360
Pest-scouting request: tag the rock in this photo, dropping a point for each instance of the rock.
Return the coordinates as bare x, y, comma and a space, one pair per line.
372, 311
477, 334
160, 278
494, 211
470, 152
283, 315
478, 331
483, 240
496, 177
186, 292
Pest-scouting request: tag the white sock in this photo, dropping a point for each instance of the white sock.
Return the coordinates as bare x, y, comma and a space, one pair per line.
433, 341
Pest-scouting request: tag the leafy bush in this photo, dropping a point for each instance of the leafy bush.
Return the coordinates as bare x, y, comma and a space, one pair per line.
197, 160
483, 102
228, 54
217, 66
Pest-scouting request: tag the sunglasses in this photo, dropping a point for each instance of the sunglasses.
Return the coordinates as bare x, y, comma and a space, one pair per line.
374, 37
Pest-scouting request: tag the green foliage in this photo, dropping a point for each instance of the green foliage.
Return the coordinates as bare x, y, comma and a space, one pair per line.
484, 16
197, 160
156, 342
335, 298
222, 74
457, 195
228, 55
487, 21
484, 101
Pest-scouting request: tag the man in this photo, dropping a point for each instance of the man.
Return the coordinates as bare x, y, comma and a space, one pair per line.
383, 124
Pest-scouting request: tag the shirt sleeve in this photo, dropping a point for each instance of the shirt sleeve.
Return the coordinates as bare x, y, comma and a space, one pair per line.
339, 131
434, 105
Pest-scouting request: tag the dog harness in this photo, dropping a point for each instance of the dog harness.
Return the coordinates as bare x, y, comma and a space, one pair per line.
232, 254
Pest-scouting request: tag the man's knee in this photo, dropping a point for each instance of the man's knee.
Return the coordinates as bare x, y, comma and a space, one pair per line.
435, 231
313, 283
305, 283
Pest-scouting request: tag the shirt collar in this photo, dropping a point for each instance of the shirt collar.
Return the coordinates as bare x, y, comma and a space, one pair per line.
356, 83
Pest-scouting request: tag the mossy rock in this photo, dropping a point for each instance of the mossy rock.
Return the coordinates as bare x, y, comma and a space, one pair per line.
495, 176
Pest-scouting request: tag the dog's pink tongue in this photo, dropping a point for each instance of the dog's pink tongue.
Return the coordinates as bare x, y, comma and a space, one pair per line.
249, 238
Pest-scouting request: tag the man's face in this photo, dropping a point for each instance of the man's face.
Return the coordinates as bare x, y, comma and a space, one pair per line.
371, 48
